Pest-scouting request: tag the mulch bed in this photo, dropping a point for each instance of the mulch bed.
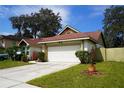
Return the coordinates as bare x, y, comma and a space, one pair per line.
91, 73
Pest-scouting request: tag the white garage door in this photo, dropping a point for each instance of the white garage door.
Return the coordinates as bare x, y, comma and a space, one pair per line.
63, 53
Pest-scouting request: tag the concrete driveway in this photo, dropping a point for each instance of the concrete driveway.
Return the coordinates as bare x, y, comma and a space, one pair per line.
17, 76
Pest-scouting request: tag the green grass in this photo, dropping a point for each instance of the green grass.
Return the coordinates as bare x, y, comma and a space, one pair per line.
112, 77
9, 63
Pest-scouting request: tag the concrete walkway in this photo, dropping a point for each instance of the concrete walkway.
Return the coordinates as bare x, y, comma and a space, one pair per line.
17, 76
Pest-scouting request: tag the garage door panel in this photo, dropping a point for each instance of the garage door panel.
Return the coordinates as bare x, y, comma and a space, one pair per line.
63, 53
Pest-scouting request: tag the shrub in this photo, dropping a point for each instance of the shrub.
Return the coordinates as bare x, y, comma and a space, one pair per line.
80, 54
86, 57
41, 56
92, 56
83, 56
2, 50
24, 58
18, 57
12, 52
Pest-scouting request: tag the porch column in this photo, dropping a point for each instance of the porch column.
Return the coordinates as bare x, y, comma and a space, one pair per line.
82, 45
45, 50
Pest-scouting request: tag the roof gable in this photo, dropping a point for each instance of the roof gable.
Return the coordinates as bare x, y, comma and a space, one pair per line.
68, 30
23, 40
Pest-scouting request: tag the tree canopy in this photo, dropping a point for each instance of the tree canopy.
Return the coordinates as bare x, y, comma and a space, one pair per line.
39, 24
114, 26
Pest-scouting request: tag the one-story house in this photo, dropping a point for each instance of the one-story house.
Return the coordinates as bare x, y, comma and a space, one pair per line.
8, 41
62, 47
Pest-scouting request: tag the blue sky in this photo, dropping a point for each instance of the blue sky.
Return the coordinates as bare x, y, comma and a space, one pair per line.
83, 18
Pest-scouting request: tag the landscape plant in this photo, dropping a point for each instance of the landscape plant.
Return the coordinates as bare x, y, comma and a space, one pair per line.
87, 58
12, 52
92, 59
24, 58
41, 56
83, 56
2, 50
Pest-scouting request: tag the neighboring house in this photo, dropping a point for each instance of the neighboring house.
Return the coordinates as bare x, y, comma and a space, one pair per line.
62, 47
8, 41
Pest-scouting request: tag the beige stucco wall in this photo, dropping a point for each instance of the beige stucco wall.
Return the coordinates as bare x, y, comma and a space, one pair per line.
66, 43
88, 45
115, 54
110, 54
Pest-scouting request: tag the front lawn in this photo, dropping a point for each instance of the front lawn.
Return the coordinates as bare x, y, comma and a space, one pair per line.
9, 63
112, 76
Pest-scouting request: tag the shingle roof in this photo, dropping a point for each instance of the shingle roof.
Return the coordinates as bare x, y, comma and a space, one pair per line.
32, 41
94, 35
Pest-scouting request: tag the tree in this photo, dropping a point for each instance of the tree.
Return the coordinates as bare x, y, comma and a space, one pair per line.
18, 23
42, 24
49, 22
114, 26
12, 51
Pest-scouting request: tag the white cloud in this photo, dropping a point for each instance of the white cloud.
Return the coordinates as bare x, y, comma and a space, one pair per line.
64, 12
3, 11
98, 10
7, 33
19, 10
6, 11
